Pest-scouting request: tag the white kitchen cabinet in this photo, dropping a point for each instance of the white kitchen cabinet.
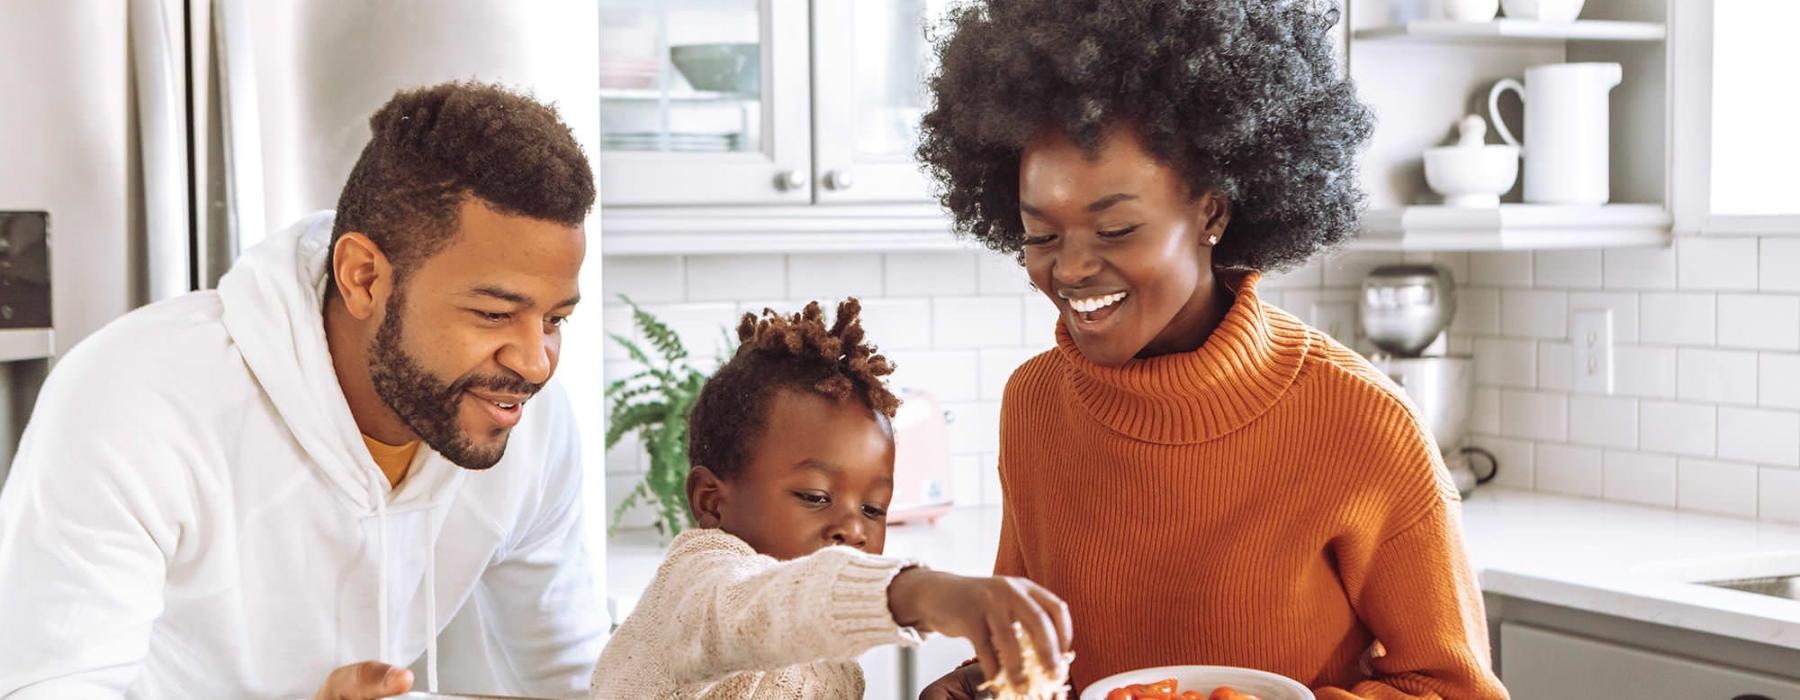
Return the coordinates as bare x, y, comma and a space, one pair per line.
1734, 111
1543, 664
871, 60
705, 102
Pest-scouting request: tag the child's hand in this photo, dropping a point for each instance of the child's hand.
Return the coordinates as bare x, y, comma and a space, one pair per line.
984, 610
961, 684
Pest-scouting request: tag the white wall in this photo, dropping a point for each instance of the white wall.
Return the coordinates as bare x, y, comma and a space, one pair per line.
1706, 410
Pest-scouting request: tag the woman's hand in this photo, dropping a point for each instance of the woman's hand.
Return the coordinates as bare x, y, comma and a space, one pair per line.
961, 684
984, 611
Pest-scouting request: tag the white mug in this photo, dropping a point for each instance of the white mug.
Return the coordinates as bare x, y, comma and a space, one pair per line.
1567, 141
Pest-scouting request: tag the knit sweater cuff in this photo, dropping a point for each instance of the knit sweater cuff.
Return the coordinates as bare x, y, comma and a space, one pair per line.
859, 602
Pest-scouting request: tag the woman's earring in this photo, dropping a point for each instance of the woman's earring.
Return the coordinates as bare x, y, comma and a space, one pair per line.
1213, 240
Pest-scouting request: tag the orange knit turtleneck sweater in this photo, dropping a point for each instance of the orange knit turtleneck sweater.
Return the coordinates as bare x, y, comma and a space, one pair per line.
1267, 500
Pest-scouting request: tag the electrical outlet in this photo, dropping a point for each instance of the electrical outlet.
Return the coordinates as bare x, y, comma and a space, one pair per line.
1591, 335
1337, 319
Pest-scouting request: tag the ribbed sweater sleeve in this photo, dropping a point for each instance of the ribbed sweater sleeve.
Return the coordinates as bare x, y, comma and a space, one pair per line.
1416, 591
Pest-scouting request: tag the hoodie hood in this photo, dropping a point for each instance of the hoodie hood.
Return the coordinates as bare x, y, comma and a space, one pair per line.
273, 308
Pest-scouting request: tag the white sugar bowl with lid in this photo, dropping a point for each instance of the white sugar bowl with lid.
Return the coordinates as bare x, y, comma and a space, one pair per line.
1472, 173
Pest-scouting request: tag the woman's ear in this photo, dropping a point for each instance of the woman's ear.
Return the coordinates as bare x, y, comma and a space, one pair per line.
706, 496
1213, 210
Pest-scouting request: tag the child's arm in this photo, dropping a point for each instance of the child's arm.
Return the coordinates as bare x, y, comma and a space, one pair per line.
725, 609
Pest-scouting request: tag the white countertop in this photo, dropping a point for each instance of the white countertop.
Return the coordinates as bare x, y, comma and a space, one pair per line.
1611, 558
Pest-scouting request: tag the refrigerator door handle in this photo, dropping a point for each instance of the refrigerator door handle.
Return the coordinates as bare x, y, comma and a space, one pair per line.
163, 134
241, 126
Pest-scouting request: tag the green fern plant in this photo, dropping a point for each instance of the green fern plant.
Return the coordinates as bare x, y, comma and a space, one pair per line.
655, 402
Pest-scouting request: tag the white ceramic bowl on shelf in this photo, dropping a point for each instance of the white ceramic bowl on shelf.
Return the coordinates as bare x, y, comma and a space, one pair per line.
1472, 176
1543, 10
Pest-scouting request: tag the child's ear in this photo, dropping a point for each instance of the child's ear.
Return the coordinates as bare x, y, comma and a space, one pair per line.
706, 496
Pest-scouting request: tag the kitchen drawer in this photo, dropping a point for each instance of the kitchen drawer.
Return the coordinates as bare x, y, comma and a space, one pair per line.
1541, 664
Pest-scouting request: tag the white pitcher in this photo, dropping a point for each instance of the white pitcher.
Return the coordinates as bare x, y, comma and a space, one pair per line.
1566, 120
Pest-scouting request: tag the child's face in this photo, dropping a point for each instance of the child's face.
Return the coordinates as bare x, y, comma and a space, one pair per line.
1118, 226
822, 474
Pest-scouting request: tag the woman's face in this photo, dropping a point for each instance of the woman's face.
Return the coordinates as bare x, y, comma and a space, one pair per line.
1117, 243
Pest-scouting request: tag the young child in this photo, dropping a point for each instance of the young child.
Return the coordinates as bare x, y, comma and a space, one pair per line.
1204, 479
781, 587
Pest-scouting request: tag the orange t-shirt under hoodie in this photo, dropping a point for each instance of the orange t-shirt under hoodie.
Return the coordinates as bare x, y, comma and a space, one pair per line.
1267, 500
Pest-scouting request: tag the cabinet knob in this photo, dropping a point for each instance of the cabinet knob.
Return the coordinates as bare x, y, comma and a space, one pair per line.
839, 179
790, 180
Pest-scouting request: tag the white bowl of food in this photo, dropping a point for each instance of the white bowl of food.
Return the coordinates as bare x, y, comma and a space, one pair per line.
1206, 681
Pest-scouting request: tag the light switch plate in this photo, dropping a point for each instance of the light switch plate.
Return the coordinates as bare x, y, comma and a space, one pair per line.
1591, 336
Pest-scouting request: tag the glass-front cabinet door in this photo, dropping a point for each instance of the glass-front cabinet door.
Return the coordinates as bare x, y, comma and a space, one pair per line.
704, 102
871, 59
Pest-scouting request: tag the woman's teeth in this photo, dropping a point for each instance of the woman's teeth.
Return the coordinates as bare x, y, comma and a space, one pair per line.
507, 406
1093, 304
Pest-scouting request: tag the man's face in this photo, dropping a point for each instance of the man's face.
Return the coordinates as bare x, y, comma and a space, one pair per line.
473, 332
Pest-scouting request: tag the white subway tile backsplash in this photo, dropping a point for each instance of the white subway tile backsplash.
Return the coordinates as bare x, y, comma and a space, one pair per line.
828, 278
965, 479
992, 494
934, 274
1717, 376
1555, 366
619, 488
1308, 276
1778, 380
1677, 319
1780, 265
702, 328
1569, 470
1534, 314
1484, 415
1477, 312
646, 279
616, 319
1041, 318
1638, 477
1757, 435
627, 457
1678, 428
1624, 306
1603, 422
736, 277
1717, 487
1760, 321
977, 322
1534, 415
1640, 268
1569, 269
974, 427
1649, 372
1517, 460
1501, 269
1349, 269
997, 365
1778, 492
1716, 263
1001, 274
897, 324
1511, 363
950, 375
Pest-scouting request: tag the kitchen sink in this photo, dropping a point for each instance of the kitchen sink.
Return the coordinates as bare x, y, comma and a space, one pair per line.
1787, 587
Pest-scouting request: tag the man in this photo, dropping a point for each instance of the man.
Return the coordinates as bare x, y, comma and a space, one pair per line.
225, 495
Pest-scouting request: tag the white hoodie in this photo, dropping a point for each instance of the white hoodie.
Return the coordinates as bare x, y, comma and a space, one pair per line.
192, 513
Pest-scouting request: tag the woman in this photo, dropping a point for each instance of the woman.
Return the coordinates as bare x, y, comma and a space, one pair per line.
1203, 478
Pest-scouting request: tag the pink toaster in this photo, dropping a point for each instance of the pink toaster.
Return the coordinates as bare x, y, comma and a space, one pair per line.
921, 460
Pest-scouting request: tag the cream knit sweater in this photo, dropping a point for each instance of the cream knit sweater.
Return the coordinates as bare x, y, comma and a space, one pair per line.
721, 621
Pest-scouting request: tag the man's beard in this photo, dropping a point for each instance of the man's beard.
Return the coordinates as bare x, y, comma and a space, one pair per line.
428, 405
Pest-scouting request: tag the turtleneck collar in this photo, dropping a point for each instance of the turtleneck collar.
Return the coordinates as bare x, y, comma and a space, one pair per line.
1241, 370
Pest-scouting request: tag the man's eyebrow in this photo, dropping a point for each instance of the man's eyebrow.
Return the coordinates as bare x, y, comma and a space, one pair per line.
501, 294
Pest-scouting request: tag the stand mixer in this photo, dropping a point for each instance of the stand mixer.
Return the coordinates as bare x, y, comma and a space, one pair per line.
1406, 310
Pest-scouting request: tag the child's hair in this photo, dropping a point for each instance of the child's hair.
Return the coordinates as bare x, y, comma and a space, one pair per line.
797, 352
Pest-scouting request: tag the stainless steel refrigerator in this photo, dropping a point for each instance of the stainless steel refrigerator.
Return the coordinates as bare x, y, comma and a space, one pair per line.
152, 140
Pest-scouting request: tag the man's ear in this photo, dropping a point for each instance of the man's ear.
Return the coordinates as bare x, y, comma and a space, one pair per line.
1213, 209
706, 496
365, 279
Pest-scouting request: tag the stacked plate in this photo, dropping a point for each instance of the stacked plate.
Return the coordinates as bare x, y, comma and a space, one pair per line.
677, 143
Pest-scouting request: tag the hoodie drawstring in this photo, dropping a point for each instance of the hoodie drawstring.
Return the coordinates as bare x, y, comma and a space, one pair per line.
381, 566
431, 652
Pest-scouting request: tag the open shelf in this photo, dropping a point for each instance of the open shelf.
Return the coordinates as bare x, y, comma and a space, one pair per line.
1515, 30
26, 344
1515, 227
